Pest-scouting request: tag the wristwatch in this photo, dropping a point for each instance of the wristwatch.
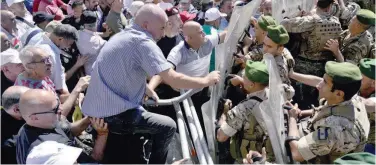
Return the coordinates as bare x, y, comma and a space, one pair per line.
291, 138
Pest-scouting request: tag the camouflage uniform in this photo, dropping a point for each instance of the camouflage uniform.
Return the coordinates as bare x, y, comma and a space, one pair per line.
334, 131
256, 52
371, 117
285, 63
317, 29
241, 117
365, 4
355, 48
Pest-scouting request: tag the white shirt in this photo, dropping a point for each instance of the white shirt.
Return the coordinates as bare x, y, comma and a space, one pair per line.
58, 72
89, 44
165, 5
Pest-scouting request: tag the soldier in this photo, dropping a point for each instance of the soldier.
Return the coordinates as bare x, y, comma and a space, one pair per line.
273, 44
317, 29
356, 42
367, 90
240, 119
339, 126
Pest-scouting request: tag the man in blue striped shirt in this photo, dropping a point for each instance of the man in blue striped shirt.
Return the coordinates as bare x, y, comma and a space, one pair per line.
118, 82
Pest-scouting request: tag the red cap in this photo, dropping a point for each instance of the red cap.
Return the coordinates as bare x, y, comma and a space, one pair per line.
185, 16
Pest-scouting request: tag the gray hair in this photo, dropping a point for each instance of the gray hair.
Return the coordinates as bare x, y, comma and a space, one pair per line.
27, 53
66, 31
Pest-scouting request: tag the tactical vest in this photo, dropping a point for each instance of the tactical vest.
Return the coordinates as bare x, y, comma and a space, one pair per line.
325, 28
254, 138
354, 112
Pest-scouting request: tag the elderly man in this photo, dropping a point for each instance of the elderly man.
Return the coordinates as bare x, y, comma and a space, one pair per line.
11, 66
212, 21
41, 111
89, 41
62, 37
5, 43
23, 18
37, 65
9, 26
114, 96
12, 121
356, 42
172, 30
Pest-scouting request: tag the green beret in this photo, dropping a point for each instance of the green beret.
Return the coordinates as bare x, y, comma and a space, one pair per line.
356, 158
257, 72
343, 73
265, 21
367, 67
366, 17
278, 34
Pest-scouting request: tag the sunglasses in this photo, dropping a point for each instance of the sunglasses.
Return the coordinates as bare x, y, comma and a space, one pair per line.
46, 60
55, 110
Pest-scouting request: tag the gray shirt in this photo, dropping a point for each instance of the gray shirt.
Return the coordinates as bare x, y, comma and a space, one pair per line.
118, 78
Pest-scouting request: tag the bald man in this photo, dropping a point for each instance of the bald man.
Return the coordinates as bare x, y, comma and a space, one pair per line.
192, 58
118, 81
5, 43
11, 121
8, 24
42, 113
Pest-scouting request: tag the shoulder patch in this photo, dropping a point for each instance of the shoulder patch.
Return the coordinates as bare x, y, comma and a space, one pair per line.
322, 133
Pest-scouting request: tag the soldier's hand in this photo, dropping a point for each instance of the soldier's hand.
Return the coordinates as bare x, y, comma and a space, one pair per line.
227, 106
252, 154
236, 80
332, 45
295, 111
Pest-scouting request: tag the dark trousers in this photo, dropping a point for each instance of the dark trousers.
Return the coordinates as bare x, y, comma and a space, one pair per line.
135, 121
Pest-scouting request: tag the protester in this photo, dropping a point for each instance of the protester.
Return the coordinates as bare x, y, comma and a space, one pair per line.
89, 41
9, 26
226, 8
135, 6
5, 43
41, 19
75, 19
11, 66
213, 19
186, 5
52, 7
143, 55
185, 16
41, 111
11, 120
63, 36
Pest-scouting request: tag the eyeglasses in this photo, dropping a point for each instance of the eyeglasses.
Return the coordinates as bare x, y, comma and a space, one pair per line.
55, 110
46, 60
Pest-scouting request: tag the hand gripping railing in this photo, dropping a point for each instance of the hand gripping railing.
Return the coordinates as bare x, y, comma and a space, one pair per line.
193, 124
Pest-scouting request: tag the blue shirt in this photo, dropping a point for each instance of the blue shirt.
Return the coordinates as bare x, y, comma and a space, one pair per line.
118, 79
223, 25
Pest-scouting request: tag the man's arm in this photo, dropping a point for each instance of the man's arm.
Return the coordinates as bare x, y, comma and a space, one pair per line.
79, 126
100, 143
222, 36
305, 79
81, 86
181, 81
115, 17
293, 132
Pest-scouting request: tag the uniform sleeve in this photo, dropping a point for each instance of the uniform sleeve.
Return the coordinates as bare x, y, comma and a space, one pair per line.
237, 116
174, 57
299, 24
151, 58
349, 12
338, 134
355, 52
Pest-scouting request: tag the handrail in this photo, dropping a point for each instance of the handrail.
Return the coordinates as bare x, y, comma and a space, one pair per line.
173, 100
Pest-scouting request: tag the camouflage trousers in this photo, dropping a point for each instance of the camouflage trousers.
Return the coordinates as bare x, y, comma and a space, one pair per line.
306, 95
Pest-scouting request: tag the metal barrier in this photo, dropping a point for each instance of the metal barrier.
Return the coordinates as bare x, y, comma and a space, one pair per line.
193, 124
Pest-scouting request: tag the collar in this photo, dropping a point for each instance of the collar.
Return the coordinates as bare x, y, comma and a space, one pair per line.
357, 36
51, 43
186, 45
260, 94
139, 28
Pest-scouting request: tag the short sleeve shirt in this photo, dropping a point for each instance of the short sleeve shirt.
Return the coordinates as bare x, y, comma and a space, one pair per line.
29, 137
118, 78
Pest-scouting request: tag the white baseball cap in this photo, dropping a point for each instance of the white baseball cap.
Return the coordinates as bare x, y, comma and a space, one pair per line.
10, 56
213, 14
53, 153
135, 6
11, 2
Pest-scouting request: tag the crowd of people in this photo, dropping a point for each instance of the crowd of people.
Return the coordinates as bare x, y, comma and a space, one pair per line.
75, 75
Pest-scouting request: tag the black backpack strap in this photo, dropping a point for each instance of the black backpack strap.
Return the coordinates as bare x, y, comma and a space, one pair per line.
24, 21
256, 98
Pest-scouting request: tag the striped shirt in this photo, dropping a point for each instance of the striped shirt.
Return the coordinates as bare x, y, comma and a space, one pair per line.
45, 84
118, 78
